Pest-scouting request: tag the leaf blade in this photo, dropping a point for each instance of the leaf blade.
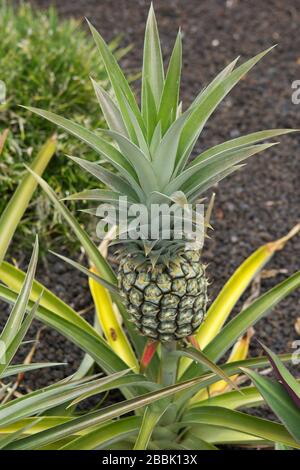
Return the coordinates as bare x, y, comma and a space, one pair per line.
16, 207
237, 421
170, 94
153, 70
279, 401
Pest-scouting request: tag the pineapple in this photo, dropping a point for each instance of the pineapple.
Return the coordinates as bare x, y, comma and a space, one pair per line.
162, 281
166, 303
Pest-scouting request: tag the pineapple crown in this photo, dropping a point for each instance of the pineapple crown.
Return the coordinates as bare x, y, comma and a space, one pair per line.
150, 146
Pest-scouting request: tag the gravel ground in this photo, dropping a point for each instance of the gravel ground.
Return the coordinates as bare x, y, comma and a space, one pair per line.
261, 202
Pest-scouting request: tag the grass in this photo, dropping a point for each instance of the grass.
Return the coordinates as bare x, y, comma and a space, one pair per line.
45, 62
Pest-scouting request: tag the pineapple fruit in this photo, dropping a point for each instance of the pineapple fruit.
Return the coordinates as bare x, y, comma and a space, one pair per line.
166, 303
162, 281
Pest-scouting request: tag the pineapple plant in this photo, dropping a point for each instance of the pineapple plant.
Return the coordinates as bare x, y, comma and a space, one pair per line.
163, 282
182, 399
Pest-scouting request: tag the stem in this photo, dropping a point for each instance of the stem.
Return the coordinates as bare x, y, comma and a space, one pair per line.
168, 368
168, 375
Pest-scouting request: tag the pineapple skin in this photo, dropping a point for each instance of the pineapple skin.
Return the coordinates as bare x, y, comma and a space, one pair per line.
165, 303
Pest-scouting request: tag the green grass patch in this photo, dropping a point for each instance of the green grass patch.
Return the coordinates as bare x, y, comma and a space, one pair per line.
46, 62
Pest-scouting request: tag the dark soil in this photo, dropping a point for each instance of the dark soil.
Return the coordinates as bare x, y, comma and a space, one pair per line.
261, 202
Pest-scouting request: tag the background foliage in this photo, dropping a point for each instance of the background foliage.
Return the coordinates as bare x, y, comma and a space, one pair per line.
45, 62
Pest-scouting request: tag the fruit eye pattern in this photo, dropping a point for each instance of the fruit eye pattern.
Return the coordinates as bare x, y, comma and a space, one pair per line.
166, 303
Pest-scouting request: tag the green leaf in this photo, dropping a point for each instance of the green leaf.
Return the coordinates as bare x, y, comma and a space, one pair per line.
105, 435
170, 95
6, 440
150, 113
182, 159
248, 317
279, 401
284, 376
15, 319
119, 83
196, 178
231, 368
112, 180
139, 161
194, 196
214, 83
45, 422
232, 291
205, 107
234, 400
130, 380
87, 363
153, 70
165, 154
279, 446
3, 137
16, 207
155, 139
91, 343
92, 251
51, 396
223, 341
237, 421
22, 368
150, 419
140, 134
18, 338
220, 435
99, 417
111, 112
110, 287
111, 154
199, 356
212, 166
243, 141
102, 195
195, 443
163, 444
14, 278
